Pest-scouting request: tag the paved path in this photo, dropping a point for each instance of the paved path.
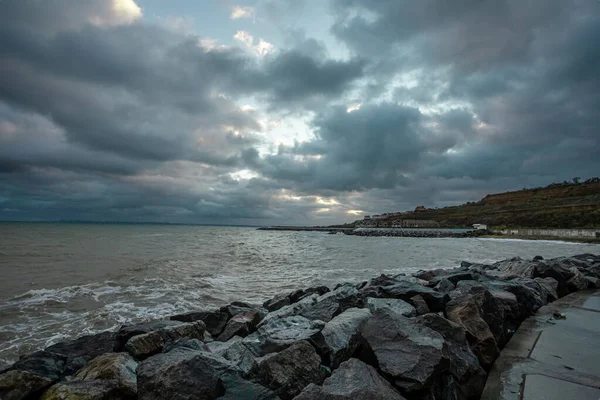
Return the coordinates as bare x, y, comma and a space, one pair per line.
550, 358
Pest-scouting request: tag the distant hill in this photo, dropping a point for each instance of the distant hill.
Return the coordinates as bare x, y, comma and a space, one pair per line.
559, 205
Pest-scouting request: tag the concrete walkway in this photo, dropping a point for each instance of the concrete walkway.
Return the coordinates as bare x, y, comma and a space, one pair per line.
551, 358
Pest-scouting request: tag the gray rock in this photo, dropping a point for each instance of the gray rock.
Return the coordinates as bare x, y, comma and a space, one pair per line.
346, 296
280, 333
238, 307
291, 310
469, 377
127, 332
558, 269
324, 309
193, 344
436, 301
280, 300
399, 306
577, 281
50, 365
234, 350
119, 367
215, 321
21, 384
341, 336
419, 304
410, 354
191, 374
353, 380
85, 347
147, 344
444, 286
289, 371
593, 282
88, 390
240, 324
466, 312
547, 287
300, 294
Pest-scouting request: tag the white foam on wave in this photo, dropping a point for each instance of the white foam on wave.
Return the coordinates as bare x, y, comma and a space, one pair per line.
549, 241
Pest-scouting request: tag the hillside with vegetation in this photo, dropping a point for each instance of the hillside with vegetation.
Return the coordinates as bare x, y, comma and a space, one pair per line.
572, 204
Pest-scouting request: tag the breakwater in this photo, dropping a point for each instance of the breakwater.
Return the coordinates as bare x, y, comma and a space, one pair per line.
430, 335
390, 232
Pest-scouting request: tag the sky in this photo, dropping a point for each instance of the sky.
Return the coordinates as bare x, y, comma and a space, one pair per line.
289, 111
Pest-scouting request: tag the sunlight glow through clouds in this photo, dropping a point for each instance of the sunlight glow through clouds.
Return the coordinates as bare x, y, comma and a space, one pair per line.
123, 12
238, 12
261, 49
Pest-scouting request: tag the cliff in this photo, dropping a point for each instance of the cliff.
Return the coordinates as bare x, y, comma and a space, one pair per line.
563, 205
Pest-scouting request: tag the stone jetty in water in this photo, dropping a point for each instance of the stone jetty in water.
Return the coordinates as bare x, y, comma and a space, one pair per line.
431, 335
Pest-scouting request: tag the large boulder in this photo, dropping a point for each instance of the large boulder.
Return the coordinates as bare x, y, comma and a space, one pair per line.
127, 332
466, 312
21, 384
234, 351
85, 347
275, 303
241, 324
468, 375
118, 367
238, 307
323, 309
289, 371
399, 306
347, 296
577, 281
353, 380
215, 321
341, 336
557, 270
191, 374
88, 390
410, 354
147, 344
290, 310
404, 290
280, 333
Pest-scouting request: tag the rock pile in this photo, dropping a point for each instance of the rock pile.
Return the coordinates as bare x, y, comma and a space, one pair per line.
432, 335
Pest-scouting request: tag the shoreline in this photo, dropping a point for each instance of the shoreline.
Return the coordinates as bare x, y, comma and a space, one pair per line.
305, 344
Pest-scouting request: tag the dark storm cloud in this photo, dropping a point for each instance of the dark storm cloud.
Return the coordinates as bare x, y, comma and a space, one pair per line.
103, 116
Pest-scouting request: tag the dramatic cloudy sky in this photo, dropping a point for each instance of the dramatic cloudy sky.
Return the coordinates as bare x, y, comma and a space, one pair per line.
289, 111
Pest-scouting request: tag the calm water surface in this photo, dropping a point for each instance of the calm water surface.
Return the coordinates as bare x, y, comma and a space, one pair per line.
59, 281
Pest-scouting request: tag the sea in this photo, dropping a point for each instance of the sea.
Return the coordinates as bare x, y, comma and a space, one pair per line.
59, 281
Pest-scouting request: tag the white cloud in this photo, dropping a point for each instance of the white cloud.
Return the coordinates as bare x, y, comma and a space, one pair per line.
122, 12
261, 49
238, 12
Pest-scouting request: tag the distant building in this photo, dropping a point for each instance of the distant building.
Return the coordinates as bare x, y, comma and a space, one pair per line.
420, 208
480, 227
367, 217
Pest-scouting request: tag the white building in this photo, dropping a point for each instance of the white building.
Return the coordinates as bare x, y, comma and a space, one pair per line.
480, 227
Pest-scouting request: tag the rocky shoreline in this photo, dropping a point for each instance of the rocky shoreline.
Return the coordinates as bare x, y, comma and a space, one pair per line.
431, 335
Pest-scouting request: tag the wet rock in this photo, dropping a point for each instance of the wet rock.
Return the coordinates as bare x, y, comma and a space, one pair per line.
234, 351
547, 287
577, 281
419, 304
207, 337
88, 390
593, 282
399, 306
280, 300
147, 344
444, 286
280, 333
127, 332
241, 324
289, 371
410, 354
291, 310
538, 258
238, 307
453, 277
215, 321
21, 384
346, 296
300, 294
43, 363
86, 347
192, 374
466, 312
469, 377
353, 380
556, 270
515, 267
192, 344
118, 367
436, 301
323, 309
341, 336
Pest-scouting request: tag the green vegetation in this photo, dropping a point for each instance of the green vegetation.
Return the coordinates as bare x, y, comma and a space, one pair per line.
574, 204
